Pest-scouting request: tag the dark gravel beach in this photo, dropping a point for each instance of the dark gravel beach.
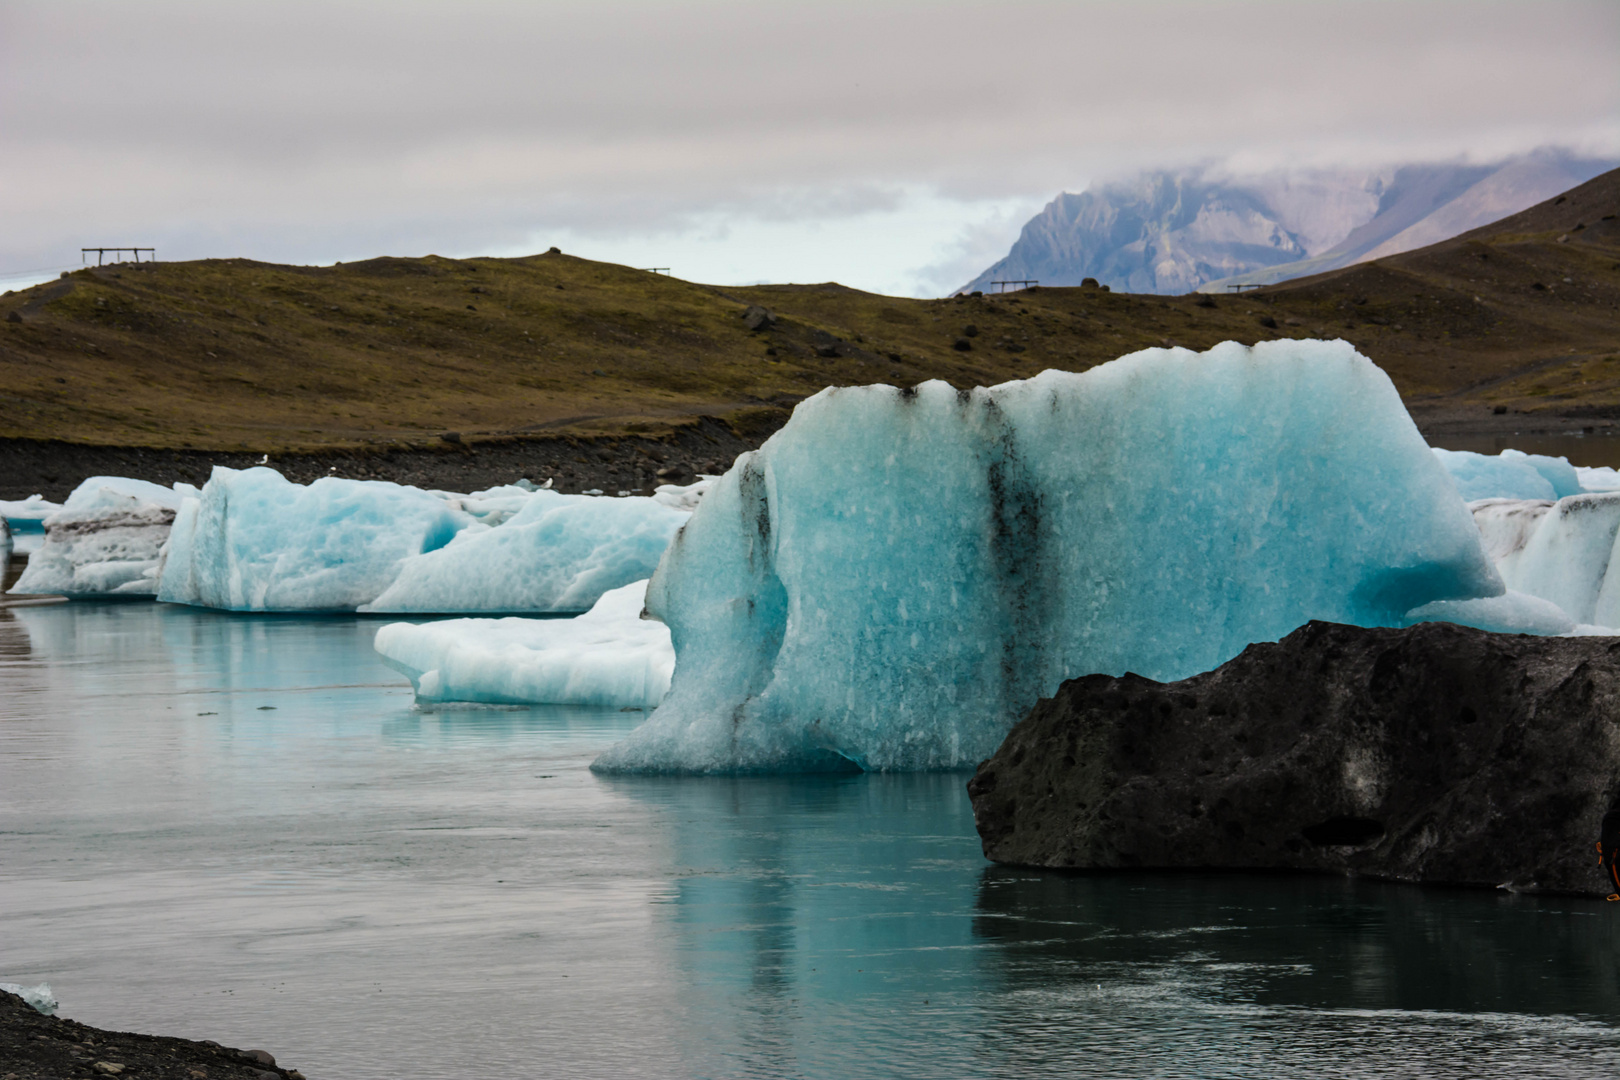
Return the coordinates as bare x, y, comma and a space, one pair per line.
53, 469
38, 1047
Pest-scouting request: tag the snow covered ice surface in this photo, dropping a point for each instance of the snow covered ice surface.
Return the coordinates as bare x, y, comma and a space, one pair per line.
1558, 551
895, 577
607, 656
684, 496
558, 553
106, 540
1598, 478
28, 515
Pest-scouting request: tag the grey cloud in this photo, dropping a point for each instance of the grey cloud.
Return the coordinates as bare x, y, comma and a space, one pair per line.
244, 125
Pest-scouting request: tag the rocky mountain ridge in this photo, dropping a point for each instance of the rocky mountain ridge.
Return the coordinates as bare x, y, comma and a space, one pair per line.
1174, 232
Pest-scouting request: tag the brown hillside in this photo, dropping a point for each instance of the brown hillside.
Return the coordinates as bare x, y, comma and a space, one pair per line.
236, 355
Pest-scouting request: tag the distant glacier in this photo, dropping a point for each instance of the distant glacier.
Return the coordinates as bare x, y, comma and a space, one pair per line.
1173, 232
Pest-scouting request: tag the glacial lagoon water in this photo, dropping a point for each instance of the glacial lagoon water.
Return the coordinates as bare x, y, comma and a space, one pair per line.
241, 828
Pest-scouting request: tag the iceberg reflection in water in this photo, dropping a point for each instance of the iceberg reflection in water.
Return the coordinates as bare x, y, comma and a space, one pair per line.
365, 888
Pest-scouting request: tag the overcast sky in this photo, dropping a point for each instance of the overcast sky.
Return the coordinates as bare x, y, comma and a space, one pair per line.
892, 146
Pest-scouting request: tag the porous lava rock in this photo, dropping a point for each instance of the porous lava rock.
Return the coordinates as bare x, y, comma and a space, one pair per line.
1435, 753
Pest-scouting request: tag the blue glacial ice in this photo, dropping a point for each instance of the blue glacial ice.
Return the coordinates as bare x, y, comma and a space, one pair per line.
558, 553
28, 515
895, 577
105, 540
254, 541
38, 997
608, 656
1510, 475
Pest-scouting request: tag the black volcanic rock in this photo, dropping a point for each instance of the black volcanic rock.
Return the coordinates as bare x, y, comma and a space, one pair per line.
1436, 753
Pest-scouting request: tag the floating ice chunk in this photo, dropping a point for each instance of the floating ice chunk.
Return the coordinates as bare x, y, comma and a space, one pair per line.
113, 493
1482, 477
28, 515
40, 996
1510, 613
1557, 471
896, 576
557, 553
684, 497
254, 541
1598, 479
607, 656
106, 540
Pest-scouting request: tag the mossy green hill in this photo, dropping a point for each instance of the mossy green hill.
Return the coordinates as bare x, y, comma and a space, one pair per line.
231, 354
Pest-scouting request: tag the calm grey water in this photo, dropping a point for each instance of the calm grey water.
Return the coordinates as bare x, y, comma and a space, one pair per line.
240, 828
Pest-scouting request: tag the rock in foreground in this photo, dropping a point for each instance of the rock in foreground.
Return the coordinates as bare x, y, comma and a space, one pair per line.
1436, 753
35, 1047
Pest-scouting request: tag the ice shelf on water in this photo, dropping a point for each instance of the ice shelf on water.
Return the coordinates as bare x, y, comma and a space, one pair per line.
254, 541
558, 553
608, 656
106, 540
895, 577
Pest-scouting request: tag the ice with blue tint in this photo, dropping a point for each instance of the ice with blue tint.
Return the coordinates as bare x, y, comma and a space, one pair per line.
255, 541
1558, 551
106, 540
1512, 474
1511, 613
895, 577
39, 997
28, 515
608, 656
557, 553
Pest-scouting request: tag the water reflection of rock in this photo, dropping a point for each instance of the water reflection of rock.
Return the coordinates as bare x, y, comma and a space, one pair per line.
1302, 941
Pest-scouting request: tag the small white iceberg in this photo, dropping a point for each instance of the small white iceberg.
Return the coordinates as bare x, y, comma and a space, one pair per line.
610, 655
106, 540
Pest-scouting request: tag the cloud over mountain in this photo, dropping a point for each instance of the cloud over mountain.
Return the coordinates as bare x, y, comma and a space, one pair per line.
1176, 231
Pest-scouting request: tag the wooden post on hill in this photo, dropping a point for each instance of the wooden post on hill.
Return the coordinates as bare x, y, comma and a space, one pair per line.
84, 253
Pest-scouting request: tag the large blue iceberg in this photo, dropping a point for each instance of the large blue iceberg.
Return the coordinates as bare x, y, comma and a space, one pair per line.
898, 575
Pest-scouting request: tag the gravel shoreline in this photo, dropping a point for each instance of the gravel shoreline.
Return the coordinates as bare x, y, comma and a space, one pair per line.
611, 465
38, 1047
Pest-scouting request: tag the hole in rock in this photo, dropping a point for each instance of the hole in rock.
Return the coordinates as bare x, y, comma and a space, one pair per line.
1343, 832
